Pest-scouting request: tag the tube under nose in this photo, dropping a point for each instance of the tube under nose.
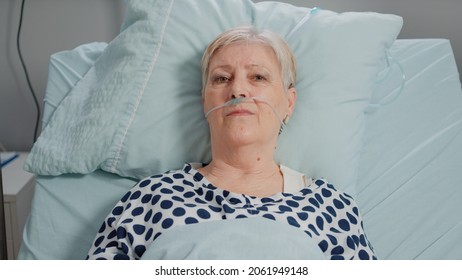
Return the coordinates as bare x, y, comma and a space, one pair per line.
236, 101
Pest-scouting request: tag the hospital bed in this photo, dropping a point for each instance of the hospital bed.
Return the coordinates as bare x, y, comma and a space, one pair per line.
380, 118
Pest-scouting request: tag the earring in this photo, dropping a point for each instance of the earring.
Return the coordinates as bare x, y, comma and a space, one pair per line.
286, 120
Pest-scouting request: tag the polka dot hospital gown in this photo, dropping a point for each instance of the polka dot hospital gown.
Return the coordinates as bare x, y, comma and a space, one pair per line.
181, 197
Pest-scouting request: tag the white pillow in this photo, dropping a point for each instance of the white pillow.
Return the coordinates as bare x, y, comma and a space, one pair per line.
138, 110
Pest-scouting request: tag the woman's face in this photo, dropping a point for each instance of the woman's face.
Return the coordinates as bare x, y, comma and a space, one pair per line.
246, 70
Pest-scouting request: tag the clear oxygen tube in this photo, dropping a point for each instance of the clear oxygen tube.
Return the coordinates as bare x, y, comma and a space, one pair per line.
236, 101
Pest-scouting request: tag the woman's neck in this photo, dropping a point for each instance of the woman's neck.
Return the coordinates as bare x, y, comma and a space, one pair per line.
247, 170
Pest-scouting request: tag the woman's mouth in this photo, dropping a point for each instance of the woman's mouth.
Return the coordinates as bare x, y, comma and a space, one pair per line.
239, 112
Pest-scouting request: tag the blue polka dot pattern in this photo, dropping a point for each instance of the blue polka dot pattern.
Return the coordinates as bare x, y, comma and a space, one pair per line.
184, 197
178, 212
145, 183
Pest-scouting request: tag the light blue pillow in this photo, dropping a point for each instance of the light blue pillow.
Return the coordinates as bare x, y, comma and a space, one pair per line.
138, 110
65, 69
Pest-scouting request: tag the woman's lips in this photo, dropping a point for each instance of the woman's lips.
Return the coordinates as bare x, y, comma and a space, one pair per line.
239, 112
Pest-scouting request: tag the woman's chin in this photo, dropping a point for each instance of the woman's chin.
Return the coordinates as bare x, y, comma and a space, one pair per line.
239, 133
242, 138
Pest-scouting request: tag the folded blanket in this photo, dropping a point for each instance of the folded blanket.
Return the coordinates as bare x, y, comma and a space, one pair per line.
253, 238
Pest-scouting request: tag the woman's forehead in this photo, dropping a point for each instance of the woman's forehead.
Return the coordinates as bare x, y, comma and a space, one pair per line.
251, 55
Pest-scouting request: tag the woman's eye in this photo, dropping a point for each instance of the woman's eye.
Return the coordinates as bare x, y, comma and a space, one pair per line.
259, 78
221, 79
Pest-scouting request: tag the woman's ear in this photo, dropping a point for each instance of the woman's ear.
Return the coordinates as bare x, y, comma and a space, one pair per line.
292, 98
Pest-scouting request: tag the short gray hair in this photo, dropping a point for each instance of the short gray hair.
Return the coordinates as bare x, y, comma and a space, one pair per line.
250, 34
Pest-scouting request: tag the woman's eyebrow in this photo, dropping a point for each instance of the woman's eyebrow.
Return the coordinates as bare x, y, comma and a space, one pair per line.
230, 67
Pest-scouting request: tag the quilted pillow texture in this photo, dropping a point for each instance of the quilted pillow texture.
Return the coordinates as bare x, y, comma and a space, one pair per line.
137, 111
65, 69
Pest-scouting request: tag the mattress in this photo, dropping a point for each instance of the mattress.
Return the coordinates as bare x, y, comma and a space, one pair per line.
409, 181
410, 185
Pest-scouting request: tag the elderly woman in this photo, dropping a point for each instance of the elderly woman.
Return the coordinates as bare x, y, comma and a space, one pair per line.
248, 96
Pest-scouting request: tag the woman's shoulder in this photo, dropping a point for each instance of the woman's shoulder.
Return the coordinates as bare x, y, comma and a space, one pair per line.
319, 183
329, 192
173, 176
295, 181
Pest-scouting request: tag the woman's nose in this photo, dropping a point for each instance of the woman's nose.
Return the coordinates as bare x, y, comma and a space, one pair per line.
239, 89
240, 94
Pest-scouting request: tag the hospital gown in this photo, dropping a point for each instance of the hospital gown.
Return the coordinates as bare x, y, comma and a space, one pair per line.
183, 197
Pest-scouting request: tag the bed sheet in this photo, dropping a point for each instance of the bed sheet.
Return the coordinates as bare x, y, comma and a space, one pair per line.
66, 213
410, 185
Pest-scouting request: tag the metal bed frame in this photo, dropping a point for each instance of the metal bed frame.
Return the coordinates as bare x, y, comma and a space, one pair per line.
3, 253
